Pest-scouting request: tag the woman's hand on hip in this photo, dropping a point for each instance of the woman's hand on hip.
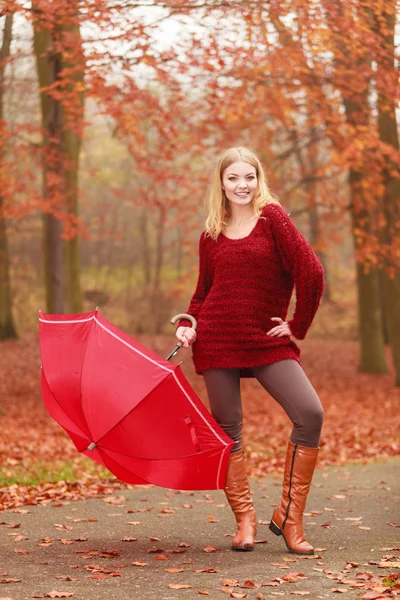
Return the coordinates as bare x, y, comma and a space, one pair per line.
186, 335
281, 329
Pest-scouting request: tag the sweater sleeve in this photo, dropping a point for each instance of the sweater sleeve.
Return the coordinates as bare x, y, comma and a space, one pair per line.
300, 260
204, 282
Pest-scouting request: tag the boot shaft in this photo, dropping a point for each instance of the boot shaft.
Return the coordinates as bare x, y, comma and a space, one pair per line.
237, 487
299, 470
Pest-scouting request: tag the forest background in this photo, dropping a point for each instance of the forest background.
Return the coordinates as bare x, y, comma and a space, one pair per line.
112, 114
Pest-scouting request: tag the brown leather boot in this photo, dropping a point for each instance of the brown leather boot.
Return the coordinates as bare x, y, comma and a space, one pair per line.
287, 519
237, 491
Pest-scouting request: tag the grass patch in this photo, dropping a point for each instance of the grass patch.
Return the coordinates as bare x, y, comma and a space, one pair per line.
391, 580
48, 472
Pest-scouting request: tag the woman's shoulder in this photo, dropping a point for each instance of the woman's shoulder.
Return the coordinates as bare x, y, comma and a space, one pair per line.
206, 238
276, 216
273, 208
206, 241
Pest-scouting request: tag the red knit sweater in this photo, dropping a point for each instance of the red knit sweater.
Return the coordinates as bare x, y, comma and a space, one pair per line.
244, 282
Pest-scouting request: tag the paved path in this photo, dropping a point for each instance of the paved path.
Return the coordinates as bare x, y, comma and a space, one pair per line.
99, 549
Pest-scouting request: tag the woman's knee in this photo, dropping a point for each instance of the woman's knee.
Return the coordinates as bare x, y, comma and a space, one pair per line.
233, 430
310, 421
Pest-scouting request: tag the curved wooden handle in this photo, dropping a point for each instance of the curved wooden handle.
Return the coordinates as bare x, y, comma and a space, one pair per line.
184, 316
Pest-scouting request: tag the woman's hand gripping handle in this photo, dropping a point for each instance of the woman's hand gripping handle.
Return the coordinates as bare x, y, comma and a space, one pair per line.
185, 335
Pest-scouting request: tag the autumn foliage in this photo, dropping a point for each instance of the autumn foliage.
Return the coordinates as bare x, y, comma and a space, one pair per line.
360, 420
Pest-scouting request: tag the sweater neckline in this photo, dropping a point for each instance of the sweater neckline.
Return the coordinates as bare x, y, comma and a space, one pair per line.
246, 237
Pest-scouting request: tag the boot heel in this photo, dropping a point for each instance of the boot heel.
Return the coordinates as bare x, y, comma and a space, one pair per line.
275, 529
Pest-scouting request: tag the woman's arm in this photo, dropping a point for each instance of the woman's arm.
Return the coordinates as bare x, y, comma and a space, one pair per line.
300, 260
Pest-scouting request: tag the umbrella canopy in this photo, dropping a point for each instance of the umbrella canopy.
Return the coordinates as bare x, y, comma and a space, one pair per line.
128, 408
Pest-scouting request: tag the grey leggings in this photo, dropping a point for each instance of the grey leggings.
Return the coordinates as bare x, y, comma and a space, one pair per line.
285, 381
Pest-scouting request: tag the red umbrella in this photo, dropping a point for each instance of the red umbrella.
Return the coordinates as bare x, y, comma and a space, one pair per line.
126, 407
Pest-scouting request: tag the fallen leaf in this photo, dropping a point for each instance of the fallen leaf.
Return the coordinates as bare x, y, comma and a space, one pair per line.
248, 584
230, 582
292, 577
201, 592
211, 549
161, 557
115, 500
351, 565
207, 570
55, 594
364, 576
392, 524
174, 570
140, 564
128, 539
179, 586
237, 595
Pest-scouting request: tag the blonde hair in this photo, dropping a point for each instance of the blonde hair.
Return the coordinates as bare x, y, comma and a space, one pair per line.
217, 202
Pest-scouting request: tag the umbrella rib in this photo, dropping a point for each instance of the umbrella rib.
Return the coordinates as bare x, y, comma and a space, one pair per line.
132, 347
93, 318
61, 408
204, 453
133, 408
103, 451
172, 371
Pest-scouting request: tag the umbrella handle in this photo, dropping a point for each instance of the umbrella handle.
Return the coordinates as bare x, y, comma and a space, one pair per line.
173, 321
184, 316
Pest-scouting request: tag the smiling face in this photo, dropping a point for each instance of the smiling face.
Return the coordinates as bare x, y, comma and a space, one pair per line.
239, 182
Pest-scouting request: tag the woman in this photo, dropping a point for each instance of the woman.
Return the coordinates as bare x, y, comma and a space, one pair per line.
251, 257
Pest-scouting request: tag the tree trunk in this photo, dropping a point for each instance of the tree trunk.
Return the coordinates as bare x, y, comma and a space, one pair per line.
315, 238
7, 328
179, 251
48, 67
370, 318
62, 125
314, 220
372, 348
159, 256
145, 244
391, 201
71, 135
